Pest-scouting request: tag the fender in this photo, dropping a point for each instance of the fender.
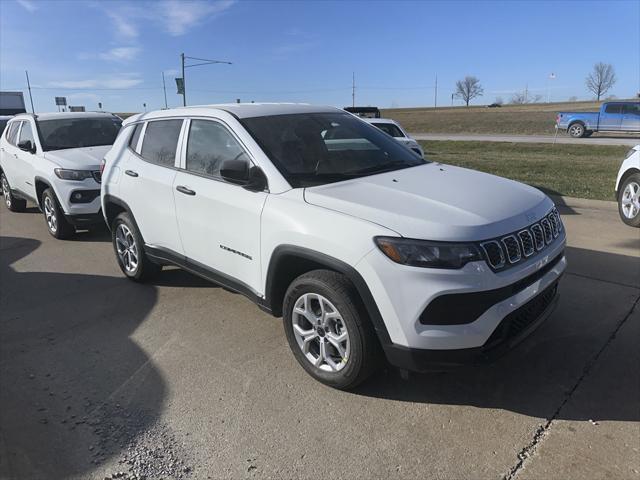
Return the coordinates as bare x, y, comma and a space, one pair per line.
282, 251
124, 205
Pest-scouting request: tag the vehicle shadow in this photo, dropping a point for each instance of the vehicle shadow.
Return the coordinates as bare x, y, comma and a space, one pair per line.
67, 363
539, 375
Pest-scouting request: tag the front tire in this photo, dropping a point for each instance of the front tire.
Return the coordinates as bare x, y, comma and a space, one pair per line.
629, 200
57, 225
129, 249
576, 130
12, 202
328, 332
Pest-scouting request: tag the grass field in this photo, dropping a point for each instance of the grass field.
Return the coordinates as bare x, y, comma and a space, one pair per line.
532, 119
587, 171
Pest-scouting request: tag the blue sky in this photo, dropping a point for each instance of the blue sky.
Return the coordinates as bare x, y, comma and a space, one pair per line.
114, 51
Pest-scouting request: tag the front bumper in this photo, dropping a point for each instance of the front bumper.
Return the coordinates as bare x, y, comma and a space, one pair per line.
85, 220
512, 330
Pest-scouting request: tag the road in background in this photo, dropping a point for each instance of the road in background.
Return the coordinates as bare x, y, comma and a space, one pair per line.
562, 138
102, 377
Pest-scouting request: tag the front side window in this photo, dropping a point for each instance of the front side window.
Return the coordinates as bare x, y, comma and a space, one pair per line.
79, 132
209, 145
26, 134
160, 142
317, 148
390, 129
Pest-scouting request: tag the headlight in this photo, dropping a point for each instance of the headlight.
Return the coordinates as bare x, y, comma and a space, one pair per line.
423, 253
65, 174
630, 152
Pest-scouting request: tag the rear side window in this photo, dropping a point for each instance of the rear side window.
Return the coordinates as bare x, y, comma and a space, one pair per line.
160, 142
133, 141
12, 131
631, 109
26, 133
209, 145
615, 108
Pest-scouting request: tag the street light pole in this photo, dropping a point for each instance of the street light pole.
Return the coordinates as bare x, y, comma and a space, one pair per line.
203, 61
164, 87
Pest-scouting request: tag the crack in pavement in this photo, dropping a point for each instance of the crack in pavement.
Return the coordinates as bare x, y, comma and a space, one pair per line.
530, 449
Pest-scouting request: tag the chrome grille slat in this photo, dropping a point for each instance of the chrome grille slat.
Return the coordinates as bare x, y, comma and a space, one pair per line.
511, 249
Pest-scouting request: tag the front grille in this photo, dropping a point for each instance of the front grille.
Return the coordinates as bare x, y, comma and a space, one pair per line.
513, 248
521, 318
97, 176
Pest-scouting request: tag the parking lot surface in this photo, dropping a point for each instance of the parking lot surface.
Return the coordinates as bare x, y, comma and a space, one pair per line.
101, 377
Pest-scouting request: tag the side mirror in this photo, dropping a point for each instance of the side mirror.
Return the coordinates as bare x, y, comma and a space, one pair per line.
235, 171
27, 146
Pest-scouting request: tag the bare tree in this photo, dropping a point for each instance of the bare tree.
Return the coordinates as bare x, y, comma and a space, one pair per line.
601, 79
524, 97
468, 89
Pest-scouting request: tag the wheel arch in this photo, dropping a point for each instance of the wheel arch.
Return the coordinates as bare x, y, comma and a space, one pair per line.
623, 178
289, 262
41, 184
114, 206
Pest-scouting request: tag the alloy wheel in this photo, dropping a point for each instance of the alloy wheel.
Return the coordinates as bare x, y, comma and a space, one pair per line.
126, 248
50, 214
631, 200
6, 192
320, 332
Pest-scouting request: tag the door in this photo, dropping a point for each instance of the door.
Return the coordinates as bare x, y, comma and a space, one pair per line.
147, 181
219, 221
631, 117
611, 118
26, 161
9, 152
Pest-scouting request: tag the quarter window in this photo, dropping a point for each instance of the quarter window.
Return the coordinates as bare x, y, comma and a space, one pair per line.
160, 142
26, 133
209, 145
12, 131
133, 141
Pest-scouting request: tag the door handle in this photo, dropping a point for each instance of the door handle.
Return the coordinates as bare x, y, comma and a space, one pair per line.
185, 190
131, 173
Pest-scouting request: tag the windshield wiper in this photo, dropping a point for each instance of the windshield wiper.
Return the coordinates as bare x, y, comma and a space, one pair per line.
387, 167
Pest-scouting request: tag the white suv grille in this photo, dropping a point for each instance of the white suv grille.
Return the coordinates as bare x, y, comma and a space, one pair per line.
513, 248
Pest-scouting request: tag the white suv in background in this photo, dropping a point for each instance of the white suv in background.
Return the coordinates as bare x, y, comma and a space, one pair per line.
53, 160
393, 128
362, 246
628, 188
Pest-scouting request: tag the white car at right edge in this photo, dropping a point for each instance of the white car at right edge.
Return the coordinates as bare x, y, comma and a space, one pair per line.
628, 188
363, 247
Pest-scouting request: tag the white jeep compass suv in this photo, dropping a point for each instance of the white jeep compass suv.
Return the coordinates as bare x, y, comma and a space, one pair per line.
363, 247
53, 160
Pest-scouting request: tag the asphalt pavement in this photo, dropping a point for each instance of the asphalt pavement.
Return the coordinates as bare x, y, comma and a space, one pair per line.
561, 138
104, 378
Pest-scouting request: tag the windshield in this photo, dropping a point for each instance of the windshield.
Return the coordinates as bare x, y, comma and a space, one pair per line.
317, 148
389, 129
65, 133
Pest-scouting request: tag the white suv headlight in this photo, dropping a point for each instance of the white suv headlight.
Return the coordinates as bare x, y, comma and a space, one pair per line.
79, 175
424, 253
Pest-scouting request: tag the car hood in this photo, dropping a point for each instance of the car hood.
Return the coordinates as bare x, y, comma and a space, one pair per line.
87, 158
436, 202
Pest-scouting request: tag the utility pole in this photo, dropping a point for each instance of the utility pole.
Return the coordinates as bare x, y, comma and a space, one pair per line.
30, 97
435, 96
164, 87
353, 89
203, 61
452, 99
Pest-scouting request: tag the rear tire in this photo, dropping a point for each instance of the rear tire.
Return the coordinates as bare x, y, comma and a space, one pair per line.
12, 202
57, 224
129, 249
629, 200
328, 331
576, 130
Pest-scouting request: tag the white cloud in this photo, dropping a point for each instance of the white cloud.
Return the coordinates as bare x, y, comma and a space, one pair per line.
121, 54
123, 24
177, 17
116, 82
28, 5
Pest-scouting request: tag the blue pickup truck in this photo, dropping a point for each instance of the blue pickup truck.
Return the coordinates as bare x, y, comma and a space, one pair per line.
612, 117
